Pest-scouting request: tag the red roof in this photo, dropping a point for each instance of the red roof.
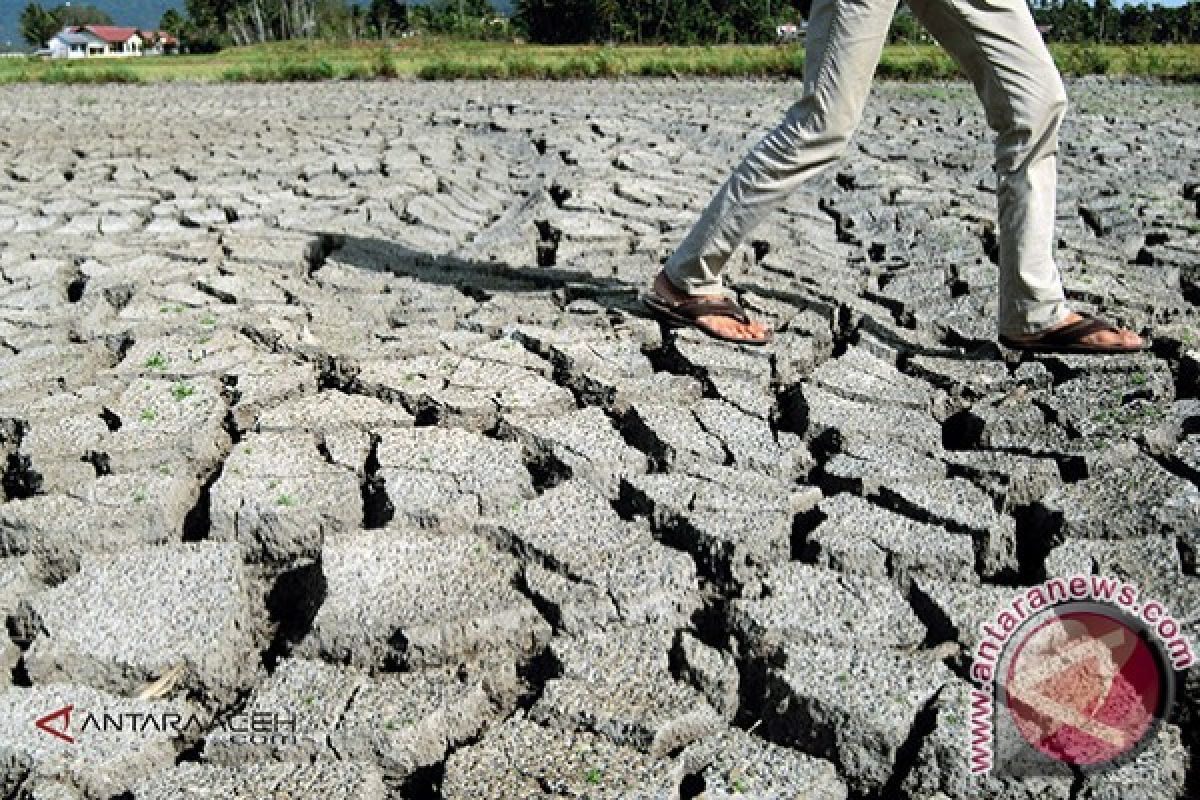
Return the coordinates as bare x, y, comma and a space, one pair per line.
159, 36
111, 34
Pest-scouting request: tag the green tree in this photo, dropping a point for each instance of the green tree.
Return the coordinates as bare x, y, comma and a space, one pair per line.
69, 15
207, 25
172, 22
386, 16
1137, 25
210, 14
905, 28
463, 17
665, 21
566, 21
1106, 21
38, 25
753, 20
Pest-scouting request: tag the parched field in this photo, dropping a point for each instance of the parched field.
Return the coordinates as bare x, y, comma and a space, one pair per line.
332, 407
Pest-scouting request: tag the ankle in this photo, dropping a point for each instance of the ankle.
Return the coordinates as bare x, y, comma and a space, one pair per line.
664, 284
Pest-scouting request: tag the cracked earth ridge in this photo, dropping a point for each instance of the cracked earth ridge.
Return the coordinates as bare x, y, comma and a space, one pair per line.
335, 402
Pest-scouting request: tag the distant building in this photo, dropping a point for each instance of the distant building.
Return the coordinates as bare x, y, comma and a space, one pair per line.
69, 43
109, 41
159, 43
789, 33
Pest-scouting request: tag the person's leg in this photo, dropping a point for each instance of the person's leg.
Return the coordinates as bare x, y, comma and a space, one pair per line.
844, 42
998, 46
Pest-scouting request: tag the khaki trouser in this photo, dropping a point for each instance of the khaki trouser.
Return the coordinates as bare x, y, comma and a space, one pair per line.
999, 48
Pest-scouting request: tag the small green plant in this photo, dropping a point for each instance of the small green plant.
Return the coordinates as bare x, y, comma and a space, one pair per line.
285, 500
384, 66
593, 776
182, 391
148, 415
208, 320
156, 361
139, 496
1084, 59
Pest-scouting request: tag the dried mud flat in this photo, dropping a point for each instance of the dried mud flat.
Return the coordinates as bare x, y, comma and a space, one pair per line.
334, 403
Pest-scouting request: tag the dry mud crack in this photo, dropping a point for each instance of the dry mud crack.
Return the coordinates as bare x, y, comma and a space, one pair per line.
335, 403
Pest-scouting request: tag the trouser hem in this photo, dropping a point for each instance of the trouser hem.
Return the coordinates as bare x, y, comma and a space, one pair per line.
690, 285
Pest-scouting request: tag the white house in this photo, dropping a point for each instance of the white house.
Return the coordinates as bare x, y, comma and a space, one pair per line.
68, 44
91, 41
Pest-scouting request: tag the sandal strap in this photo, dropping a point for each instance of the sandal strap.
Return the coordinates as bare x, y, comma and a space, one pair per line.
1076, 331
710, 307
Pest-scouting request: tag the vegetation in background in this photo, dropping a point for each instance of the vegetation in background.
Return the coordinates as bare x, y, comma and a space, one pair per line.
472, 19
61, 74
210, 25
310, 40
172, 22
658, 21
724, 21
1100, 22
38, 25
431, 58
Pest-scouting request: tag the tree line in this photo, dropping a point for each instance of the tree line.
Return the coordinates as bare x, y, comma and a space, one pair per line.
208, 25
637, 21
655, 21
212, 24
543, 21
1102, 22
721, 21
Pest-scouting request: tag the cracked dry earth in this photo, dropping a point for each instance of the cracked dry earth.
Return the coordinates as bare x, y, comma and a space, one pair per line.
335, 403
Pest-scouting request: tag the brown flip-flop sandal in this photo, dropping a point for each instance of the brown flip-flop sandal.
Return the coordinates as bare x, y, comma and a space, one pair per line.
1068, 339
688, 312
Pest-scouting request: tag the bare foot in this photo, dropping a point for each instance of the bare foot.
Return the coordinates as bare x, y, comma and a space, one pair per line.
1119, 338
727, 326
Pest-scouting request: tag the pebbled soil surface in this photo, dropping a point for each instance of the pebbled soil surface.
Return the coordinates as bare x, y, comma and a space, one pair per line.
333, 408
